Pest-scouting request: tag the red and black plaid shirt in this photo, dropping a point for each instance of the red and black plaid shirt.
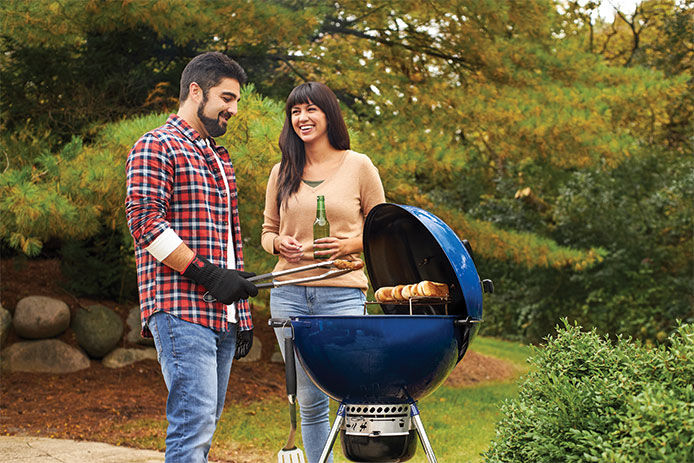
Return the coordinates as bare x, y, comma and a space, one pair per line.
174, 181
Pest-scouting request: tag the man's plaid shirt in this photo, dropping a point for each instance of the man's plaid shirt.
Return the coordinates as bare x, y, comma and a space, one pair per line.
174, 181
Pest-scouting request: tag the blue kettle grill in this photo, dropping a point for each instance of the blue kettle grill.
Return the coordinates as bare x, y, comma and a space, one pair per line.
378, 366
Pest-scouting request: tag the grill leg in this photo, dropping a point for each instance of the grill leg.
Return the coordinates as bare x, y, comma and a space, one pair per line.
414, 412
339, 419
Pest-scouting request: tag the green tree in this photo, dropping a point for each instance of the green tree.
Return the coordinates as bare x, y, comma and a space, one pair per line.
68, 65
485, 112
657, 35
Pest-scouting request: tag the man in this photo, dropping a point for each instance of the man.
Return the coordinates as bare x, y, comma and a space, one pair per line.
181, 207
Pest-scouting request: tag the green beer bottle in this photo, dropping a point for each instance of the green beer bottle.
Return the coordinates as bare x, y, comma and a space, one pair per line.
321, 227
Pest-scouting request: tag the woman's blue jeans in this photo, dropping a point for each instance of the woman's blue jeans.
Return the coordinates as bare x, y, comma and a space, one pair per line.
314, 405
195, 361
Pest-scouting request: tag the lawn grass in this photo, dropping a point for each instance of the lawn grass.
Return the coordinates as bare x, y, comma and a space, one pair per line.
459, 421
513, 352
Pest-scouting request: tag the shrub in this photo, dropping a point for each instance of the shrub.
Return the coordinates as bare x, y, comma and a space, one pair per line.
102, 266
588, 399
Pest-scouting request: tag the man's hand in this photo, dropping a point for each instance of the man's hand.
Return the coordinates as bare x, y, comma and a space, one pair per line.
226, 286
244, 342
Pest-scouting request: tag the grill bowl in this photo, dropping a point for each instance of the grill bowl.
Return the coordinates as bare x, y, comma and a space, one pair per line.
379, 358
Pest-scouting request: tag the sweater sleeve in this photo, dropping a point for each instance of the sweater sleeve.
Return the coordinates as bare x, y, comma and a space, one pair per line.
271, 215
371, 188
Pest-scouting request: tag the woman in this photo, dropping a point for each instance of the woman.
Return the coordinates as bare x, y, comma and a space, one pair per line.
317, 160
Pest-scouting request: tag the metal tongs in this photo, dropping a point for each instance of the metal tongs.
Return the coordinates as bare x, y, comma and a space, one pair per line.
329, 264
335, 272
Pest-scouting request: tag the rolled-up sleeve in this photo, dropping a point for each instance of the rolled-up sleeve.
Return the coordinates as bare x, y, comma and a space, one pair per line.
149, 177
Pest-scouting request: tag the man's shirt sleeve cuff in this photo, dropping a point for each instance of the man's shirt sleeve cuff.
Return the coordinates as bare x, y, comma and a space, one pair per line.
164, 244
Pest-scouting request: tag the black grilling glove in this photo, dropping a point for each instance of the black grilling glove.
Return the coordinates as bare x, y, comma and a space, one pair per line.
226, 286
244, 342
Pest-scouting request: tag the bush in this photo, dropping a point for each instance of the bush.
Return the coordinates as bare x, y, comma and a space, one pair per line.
588, 399
101, 267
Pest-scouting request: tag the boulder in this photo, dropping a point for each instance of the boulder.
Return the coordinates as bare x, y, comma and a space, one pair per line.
43, 356
40, 317
98, 329
5, 322
121, 357
255, 352
135, 327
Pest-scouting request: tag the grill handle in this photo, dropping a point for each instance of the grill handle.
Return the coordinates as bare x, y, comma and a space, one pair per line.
466, 321
286, 323
290, 369
280, 323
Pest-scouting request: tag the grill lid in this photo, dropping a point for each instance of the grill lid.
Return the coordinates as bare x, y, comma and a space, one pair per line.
406, 244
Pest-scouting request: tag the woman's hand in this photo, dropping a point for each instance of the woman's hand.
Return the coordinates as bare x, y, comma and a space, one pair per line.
335, 247
289, 248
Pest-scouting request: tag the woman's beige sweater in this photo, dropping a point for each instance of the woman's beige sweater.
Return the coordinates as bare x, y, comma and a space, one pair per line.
350, 193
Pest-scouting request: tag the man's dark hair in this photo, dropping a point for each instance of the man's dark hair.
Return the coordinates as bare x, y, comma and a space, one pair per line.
207, 70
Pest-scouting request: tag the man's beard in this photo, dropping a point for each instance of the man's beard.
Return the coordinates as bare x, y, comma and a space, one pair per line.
212, 126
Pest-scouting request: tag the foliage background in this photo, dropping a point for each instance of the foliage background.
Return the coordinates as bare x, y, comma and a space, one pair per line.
559, 144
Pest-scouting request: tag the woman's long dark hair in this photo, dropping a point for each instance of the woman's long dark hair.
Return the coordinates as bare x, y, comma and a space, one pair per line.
292, 147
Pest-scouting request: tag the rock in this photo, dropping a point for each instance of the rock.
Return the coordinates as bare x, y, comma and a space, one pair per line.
98, 329
135, 326
121, 357
40, 317
255, 352
43, 356
5, 322
277, 357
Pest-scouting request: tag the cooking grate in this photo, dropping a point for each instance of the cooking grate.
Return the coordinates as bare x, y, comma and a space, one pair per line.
414, 302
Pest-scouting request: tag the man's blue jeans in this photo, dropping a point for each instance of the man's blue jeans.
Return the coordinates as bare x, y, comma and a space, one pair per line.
314, 405
195, 362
